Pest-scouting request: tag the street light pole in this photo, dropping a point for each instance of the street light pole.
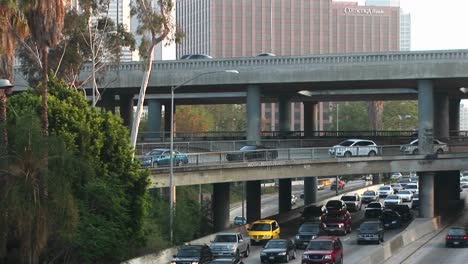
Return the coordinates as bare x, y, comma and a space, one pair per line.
171, 163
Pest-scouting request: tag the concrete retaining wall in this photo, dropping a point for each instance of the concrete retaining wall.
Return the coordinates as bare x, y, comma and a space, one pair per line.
165, 256
417, 229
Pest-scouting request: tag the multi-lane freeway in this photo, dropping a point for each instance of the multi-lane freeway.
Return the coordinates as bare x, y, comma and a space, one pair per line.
354, 253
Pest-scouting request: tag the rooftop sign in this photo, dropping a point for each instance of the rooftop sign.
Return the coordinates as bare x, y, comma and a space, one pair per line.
366, 11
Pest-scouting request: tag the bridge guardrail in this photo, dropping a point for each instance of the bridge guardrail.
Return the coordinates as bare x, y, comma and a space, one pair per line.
226, 157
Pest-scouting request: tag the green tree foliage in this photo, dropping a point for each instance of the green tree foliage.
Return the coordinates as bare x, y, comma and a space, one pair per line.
36, 193
400, 115
352, 116
193, 118
111, 194
229, 117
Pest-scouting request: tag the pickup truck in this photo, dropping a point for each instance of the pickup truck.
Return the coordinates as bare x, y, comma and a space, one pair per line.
230, 245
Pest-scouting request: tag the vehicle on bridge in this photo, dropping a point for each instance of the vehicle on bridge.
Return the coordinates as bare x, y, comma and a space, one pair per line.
370, 196
338, 222
263, 230
252, 153
309, 231
193, 254
278, 250
196, 57
412, 147
456, 236
324, 249
341, 185
370, 231
354, 147
162, 157
352, 201
230, 245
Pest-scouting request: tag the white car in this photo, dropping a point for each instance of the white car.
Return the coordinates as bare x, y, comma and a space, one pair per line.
412, 147
385, 190
320, 187
406, 195
464, 183
293, 199
392, 200
354, 147
413, 187
396, 176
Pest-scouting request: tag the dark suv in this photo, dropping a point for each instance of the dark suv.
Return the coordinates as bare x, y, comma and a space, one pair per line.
324, 249
193, 254
336, 206
404, 211
314, 213
309, 231
370, 231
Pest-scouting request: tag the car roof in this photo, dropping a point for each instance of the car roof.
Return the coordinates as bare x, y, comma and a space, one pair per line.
264, 221
325, 238
161, 149
266, 54
349, 194
371, 222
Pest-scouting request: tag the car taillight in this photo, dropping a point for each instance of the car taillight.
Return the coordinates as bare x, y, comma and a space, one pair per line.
448, 237
465, 237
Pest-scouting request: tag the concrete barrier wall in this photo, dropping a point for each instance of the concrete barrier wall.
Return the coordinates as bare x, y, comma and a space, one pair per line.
166, 255
417, 229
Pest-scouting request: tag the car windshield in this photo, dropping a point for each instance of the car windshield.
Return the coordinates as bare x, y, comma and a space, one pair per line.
384, 188
188, 252
239, 218
249, 148
405, 180
155, 152
404, 192
346, 143
411, 186
260, 227
320, 245
369, 193
457, 232
226, 238
374, 205
276, 244
334, 204
309, 228
396, 185
348, 198
369, 226
416, 195
393, 197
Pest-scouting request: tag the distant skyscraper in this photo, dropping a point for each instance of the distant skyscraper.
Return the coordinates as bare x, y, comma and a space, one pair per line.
225, 28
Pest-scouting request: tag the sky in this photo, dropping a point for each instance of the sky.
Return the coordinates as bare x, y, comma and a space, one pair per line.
436, 24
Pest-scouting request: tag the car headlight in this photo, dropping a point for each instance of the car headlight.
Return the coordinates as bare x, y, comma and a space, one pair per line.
262, 254
340, 225
394, 222
195, 262
297, 237
282, 254
173, 262
327, 257
231, 247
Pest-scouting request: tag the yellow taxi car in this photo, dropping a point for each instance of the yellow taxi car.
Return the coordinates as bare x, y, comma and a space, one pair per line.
263, 230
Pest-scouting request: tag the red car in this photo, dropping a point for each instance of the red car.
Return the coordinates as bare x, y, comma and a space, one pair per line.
324, 249
338, 222
341, 185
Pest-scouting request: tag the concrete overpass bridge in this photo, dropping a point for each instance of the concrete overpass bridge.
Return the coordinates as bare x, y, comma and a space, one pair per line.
434, 78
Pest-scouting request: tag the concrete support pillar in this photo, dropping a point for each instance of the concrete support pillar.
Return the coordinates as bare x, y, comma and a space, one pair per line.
447, 192
167, 119
284, 105
126, 109
310, 190
426, 117
254, 121
220, 206
154, 118
426, 194
454, 116
253, 197
376, 178
108, 101
441, 116
310, 118
284, 195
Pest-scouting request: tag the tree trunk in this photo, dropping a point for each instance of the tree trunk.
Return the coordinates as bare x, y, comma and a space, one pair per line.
375, 111
141, 97
45, 108
6, 72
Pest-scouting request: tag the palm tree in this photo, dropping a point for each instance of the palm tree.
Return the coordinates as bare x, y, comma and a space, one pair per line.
27, 213
45, 20
160, 24
12, 26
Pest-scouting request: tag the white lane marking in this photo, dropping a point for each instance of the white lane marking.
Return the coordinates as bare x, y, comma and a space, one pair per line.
346, 239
